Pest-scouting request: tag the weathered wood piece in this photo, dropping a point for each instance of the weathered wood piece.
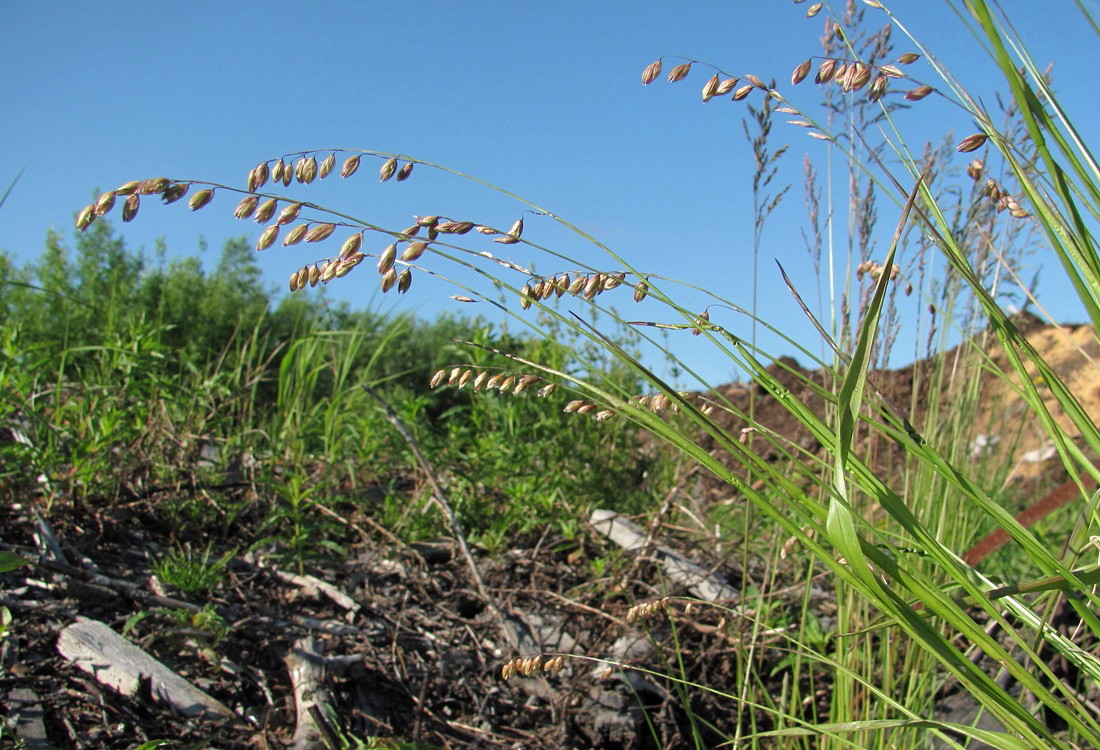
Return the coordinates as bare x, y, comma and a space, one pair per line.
697, 579
115, 662
306, 666
27, 716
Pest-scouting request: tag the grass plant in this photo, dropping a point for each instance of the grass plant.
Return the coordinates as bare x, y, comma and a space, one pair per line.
882, 514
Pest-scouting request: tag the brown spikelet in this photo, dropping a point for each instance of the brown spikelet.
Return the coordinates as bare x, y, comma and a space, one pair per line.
813, 10
265, 211
175, 192
405, 171
277, 170
404, 281
649, 75
258, 177
351, 164
326, 166
756, 82
268, 237
296, 280
641, 289
105, 203
85, 217
878, 88
320, 232
200, 199
351, 246
295, 235
389, 279
825, 72
801, 72
386, 260
154, 186
328, 271
710, 88
858, 76
891, 71
727, 85
742, 92
516, 229
414, 251
919, 93
974, 169
128, 188
679, 73
289, 213
525, 297
437, 379
388, 168
593, 286
130, 207
972, 143
547, 389
908, 57
247, 206
309, 170
578, 284
427, 221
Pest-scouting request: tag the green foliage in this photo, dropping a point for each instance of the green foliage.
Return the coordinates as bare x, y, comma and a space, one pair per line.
192, 573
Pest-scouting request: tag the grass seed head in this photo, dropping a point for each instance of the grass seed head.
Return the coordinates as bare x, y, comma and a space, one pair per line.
404, 172
826, 71
479, 381
813, 10
578, 284
130, 207
326, 166
437, 379
295, 235
295, 281
919, 93
258, 177
268, 237
547, 389
85, 217
351, 246
891, 71
388, 168
320, 232
516, 229
710, 88
465, 378
573, 405
105, 203
801, 72
878, 88
247, 206
725, 86
265, 211
525, 295
649, 75
679, 73
908, 58
414, 251
153, 186
742, 92
128, 188
277, 171
289, 213
328, 271
404, 281
386, 260
641, 290
972, 143
351, 164
389, 278
309, 170
175, 192
314, 273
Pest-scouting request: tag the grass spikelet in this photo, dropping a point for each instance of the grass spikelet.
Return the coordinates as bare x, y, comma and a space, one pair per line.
386, 260
972, 143
85, 217
404, 281
919, 93
265, 211
405, 171
295, 235
175, 192
289, 213
727, 85
268, 237
130, 207
350, 166
679, 73
247, 206
389, 278
388, 169
327, 166
710, 88
649, 75
801, 72
320, 232
414, 251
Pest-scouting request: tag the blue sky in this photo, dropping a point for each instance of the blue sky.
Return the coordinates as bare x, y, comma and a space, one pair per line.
541, 99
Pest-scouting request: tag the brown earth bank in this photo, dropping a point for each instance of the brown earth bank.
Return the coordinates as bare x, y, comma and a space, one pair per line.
409, 641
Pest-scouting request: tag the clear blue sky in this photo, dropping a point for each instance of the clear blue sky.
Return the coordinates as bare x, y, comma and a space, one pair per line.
542, 99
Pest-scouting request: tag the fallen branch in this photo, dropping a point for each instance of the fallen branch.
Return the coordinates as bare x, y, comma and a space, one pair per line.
120, 665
